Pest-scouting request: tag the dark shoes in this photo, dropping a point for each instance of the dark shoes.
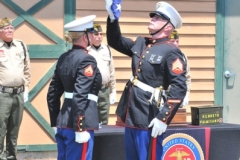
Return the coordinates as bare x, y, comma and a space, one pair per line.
9, 158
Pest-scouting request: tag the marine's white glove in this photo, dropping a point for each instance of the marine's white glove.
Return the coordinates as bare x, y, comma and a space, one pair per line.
25, 97
185, 101
55, 129
100, 125
82, 137
109, 10
113, 8
158, 127
112, 98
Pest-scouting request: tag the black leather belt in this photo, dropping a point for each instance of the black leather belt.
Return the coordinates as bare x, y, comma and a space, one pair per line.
104, 86
12, 90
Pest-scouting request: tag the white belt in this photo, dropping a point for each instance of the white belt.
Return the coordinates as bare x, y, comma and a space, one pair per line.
155, 92
141, 85
90, 96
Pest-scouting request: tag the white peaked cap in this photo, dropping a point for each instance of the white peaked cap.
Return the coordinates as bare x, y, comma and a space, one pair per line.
169, 11
81, 24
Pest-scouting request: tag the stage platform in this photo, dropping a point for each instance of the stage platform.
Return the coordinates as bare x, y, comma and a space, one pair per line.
224, 141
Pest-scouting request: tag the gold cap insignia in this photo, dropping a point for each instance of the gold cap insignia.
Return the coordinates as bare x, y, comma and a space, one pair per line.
159, 5
97, 27
5, 22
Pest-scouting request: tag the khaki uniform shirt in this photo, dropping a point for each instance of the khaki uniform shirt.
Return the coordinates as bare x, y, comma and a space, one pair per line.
105, 65
188, 76
14, 70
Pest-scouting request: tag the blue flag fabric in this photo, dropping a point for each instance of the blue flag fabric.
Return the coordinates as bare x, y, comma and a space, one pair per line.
116, 8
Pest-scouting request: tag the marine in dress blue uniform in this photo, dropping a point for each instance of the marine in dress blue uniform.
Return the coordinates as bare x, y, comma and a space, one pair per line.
78, 78
156, 64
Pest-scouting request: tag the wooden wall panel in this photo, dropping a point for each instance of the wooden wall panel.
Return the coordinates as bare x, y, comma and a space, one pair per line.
143, 17
197, 41
137, 5
186, 30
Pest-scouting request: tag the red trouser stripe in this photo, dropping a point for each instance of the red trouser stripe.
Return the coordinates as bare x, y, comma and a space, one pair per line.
84, 151
154, 146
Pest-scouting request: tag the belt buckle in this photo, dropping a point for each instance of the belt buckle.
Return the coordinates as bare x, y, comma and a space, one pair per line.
103, 86
15, 90
135, 81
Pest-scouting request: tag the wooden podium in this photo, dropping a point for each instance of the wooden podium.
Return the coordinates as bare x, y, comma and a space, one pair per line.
180, 119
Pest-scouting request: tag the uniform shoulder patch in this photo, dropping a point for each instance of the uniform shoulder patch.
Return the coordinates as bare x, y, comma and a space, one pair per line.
88, 71
177, 66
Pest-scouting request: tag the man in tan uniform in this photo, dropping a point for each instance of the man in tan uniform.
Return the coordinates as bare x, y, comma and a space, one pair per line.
14, 82
174, 37
107, 94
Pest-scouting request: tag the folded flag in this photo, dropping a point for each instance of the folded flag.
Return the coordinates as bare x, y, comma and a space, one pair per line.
116, 8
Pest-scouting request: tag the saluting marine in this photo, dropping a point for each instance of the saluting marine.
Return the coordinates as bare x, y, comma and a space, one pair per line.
77, 76
156, 64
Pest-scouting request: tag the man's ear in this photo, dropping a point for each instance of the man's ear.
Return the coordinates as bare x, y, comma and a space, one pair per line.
85, 37
169, 27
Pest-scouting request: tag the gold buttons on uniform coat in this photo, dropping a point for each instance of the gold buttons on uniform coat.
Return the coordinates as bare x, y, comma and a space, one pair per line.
163, 119
147, 51
169, 107
166, 113
143, 56
140, 63
154, 41
135, 77
135, 52
139, 70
